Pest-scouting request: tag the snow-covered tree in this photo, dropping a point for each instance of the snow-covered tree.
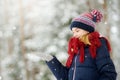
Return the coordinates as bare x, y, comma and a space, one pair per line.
42, 26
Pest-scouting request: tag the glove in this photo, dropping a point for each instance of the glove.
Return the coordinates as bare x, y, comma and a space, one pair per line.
38, 57
46, 57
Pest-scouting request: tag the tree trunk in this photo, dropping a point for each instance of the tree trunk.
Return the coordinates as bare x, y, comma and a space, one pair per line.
88, 4
107, 25
22, 39
10, 45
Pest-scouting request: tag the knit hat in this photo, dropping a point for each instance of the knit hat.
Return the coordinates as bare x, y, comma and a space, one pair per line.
87, 20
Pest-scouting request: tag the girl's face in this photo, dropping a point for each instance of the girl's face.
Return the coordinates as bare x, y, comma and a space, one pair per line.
78, 33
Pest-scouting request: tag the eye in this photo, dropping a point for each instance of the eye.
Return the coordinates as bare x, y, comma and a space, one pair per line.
77, 30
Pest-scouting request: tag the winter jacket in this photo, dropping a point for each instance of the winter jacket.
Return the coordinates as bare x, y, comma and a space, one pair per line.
100, 68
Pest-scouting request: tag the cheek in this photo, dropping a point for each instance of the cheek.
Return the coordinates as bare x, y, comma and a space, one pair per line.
80, 33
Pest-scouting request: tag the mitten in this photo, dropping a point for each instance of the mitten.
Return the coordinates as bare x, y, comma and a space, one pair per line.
46, 57
39, 57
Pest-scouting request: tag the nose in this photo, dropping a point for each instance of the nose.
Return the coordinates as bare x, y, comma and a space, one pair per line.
74, 35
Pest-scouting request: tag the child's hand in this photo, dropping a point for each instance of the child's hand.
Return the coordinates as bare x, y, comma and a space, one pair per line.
46, 57
39, 57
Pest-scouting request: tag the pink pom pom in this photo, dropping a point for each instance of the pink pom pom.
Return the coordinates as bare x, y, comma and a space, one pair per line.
97, 15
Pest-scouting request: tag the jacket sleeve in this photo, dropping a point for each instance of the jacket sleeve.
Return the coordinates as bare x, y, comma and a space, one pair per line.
104, 63
60, 71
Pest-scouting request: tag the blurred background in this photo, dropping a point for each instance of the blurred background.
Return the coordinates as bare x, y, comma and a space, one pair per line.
42, 26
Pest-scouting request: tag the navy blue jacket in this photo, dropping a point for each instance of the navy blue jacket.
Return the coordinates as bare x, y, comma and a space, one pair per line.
101, 68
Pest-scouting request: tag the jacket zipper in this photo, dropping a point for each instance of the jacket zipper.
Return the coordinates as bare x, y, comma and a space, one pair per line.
74, 68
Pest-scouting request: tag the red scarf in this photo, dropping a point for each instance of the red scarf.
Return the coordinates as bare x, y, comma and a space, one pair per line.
76, 45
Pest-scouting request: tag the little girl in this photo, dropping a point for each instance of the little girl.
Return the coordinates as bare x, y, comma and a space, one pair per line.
89, 57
